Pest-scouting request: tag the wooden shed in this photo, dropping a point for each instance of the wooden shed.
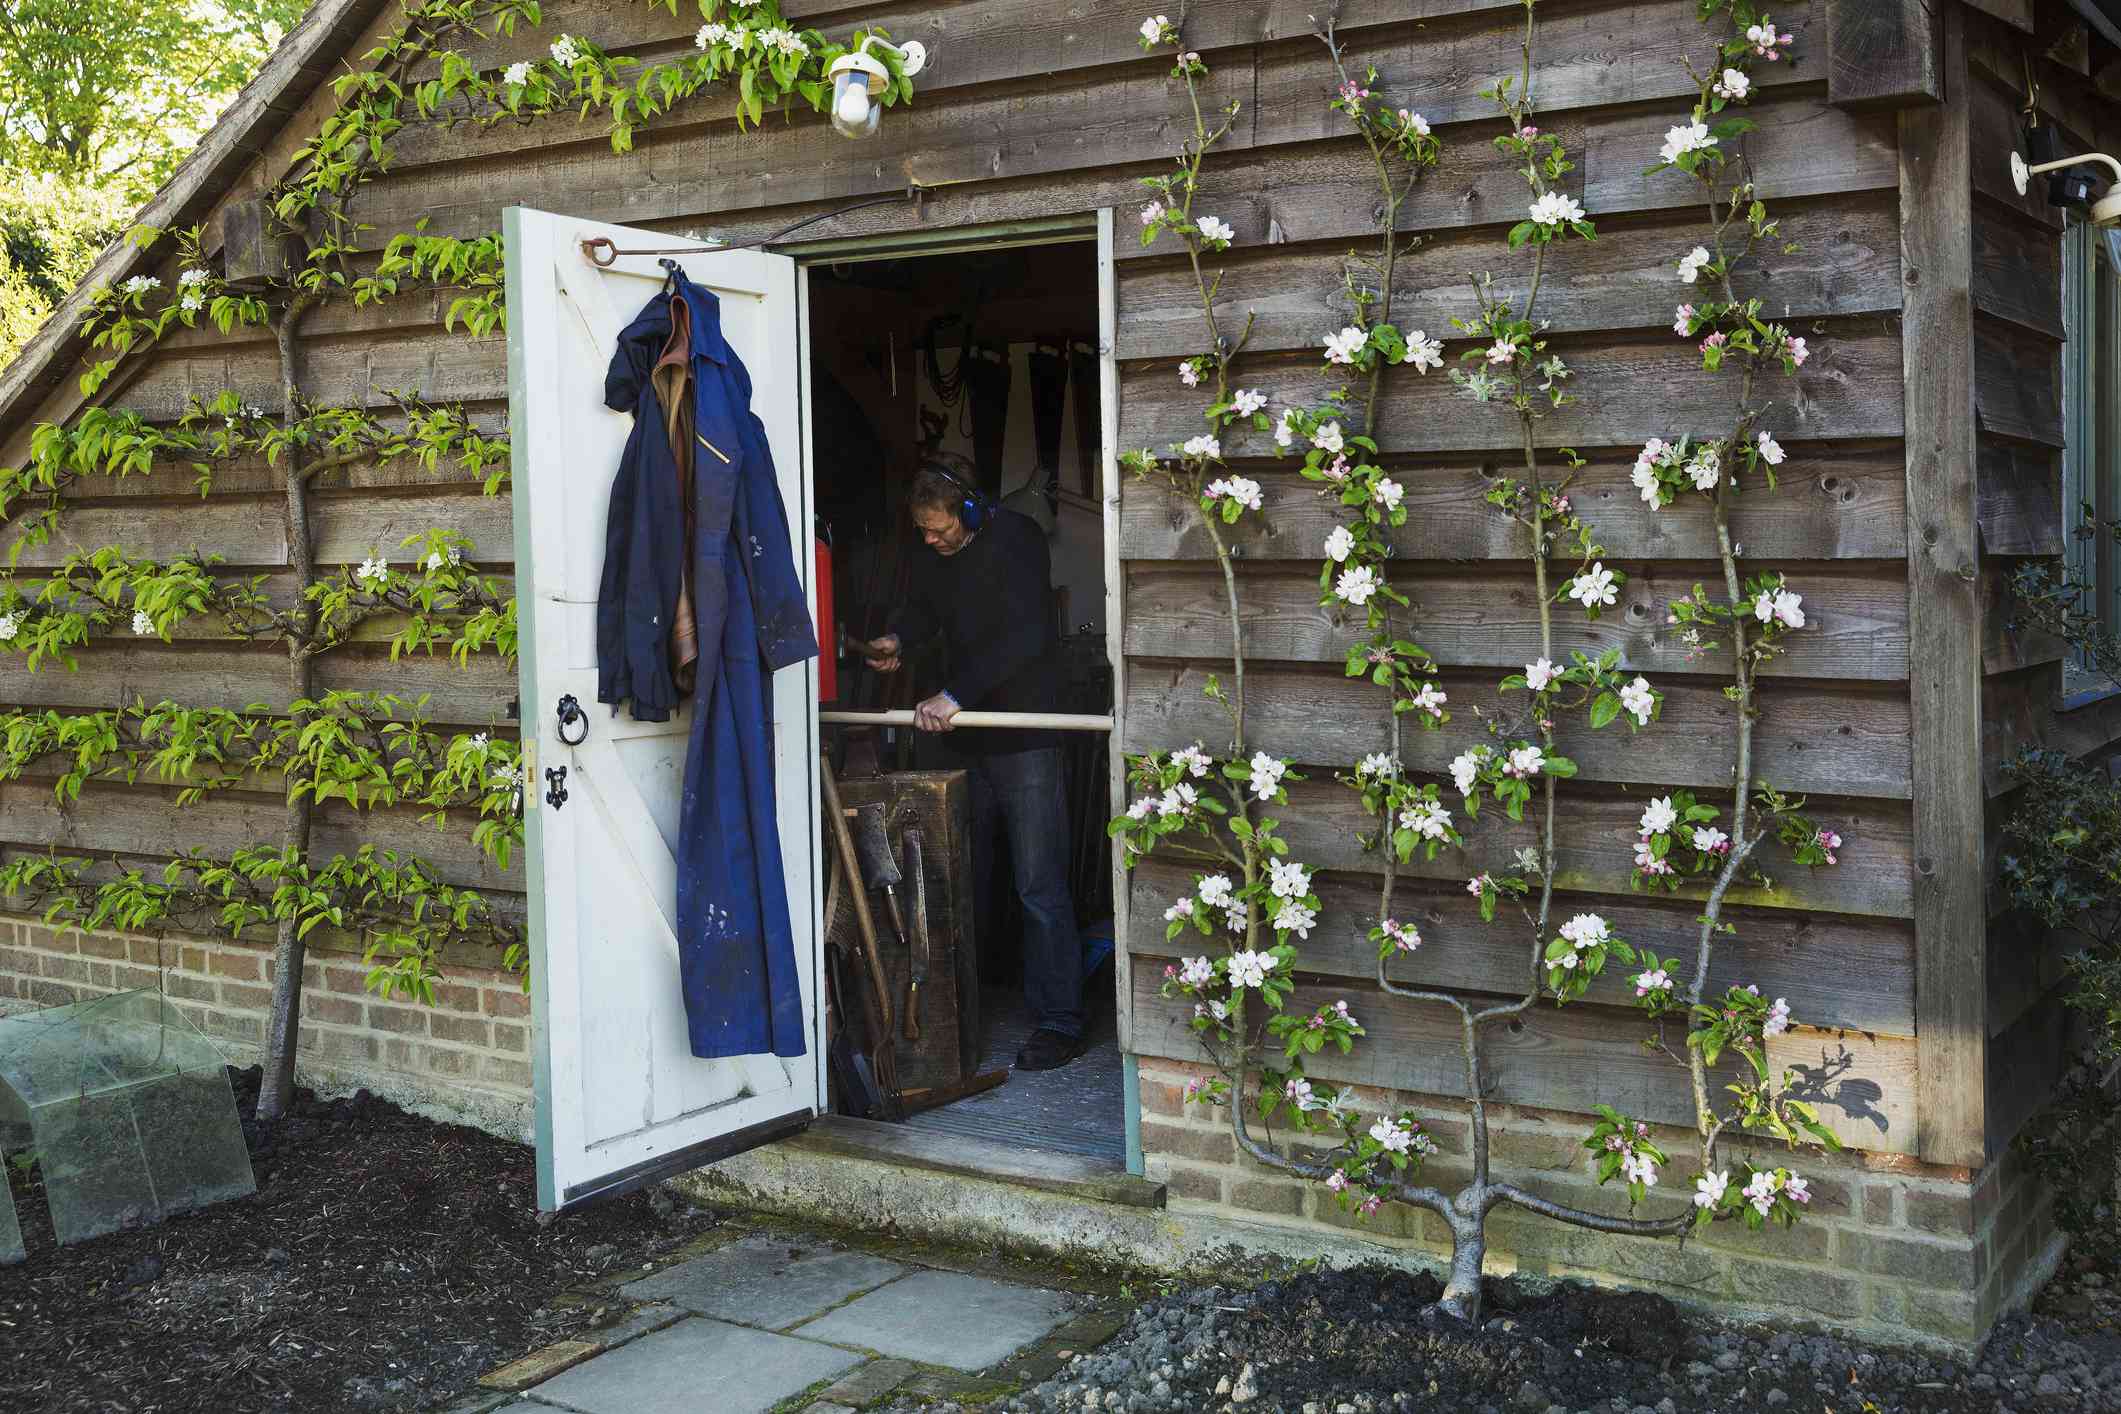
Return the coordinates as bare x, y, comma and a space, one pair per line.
1955, 340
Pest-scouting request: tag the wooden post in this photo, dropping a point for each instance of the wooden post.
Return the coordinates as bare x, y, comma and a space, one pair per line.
1883, 53
1944, 612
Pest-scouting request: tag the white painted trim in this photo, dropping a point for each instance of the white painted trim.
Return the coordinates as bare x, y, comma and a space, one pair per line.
1115, 599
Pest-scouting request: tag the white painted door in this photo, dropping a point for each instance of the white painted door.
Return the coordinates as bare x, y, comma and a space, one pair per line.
620, 1098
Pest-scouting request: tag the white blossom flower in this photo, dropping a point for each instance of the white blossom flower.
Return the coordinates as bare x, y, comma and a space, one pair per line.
785, 40
1414, 122
1196, 971
478, 741
1205, 445
1710, 840
1479, 884
1405, 936
1770, 450
1427, 819
1706, 469
1340, 544
1346, 346
1195, 760
1266, 775
1502, 351
1465, 769
1659, 816
1285, 429
1328, 438
1430, 699
1709, 1189
1687, 137
1797, 1190
565, 51
1356, 585
1526, 761
1586, 930
1639, 1167
1638, 701
1287, 880
1388, 493
1761, 1193
1177, 800
1248, 401
1215, 890
1655, 980
1153, 28
1690, 264
1189, 373
1733, 84
1249, 969
1297, 918
1594, 587
1797, 351
1141, 808
1182, 909
1394, 1134
1381, 765
191, 277
1682, 319
1424, 352
1781, 606
1298, 1091
140, 284
1234, 917
1538, 675
433, 561
1556, 209
1214, 228
1778, 1018
192, 302
1646, 858
372, 574
1645, 478
1243, 490
1152, 213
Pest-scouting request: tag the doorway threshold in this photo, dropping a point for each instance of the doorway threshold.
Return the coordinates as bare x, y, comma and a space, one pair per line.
1098, 1180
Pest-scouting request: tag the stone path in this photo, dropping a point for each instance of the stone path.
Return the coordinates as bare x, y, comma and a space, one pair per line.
771, 1324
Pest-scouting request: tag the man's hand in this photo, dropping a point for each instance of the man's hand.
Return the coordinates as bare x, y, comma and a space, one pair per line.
881, 654
934, 715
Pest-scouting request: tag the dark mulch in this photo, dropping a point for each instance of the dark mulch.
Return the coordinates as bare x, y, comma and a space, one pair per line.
386, 1262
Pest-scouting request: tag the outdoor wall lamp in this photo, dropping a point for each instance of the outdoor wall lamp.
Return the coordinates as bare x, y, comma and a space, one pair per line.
2106, 211
857, 76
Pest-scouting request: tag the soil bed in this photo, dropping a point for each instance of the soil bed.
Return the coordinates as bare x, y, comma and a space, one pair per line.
386, 1262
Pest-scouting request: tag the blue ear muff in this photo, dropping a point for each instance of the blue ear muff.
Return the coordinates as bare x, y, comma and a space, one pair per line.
972, 512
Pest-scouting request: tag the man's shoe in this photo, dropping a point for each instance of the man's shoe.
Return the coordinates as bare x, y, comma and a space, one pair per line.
1048, 1050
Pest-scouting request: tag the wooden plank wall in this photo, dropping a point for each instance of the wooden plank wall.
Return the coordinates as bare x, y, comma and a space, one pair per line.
1033, 110
2021, 433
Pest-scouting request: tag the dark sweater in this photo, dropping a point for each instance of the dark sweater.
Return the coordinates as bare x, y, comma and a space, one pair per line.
992, 603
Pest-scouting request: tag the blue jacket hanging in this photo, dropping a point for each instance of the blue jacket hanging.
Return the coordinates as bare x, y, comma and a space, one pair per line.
700, 602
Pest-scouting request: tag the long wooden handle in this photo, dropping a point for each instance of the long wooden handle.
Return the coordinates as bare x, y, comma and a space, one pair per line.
1042, 721
865, 925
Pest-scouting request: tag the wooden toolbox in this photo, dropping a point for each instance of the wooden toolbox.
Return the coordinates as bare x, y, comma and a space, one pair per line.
937, 803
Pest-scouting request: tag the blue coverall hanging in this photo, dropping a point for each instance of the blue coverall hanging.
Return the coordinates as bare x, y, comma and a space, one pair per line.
701, 599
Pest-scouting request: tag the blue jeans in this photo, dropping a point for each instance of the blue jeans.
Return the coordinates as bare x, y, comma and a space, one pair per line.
1023, 790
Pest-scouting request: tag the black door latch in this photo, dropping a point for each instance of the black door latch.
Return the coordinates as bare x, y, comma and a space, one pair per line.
555, 786
570, 712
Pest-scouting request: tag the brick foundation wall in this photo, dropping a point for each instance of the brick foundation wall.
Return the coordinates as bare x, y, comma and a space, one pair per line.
467, 1058
1890, 1247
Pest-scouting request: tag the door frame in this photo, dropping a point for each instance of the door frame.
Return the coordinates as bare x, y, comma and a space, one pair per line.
1091, 227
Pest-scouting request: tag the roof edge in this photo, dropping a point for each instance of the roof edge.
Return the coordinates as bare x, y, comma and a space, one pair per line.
303, 59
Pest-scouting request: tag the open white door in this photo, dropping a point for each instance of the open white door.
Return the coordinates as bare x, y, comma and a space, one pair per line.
620, 1098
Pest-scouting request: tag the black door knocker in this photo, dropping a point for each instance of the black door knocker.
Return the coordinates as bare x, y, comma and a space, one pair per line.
555, 786
570, 712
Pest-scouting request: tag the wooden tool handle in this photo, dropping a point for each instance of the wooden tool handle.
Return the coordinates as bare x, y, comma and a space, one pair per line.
913, 1011
885, 1057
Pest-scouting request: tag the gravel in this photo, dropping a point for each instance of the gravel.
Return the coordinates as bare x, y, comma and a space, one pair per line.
1368, 1341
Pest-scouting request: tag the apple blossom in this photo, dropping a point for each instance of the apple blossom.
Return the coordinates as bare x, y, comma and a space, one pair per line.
373, 573
1340, 544
1196, 971
1556, 209
1682, 320
1195, 760
1249, 969
1215, 890
1778, 1018
1770, 450
1502, 351
1234, 917
1427, 819
1659, 816
1424, 352
1765, 40
1733, 84
1690, 264
1248, 401
1337, 469
1594, 587
1205, 445
1431, 699
1709, 1189
565, 51
1779, 606
1387, 493
1705, 470
1141, 808
1585, 930
1156, 29
1405, 936
1829, 841
1710, 840
1639, 1167
1297, 918
1646, 859
1299, 1092
1797, 351
1479, 884
1797, 1190
1655, 980
1645, 478
1638, 701
1189, 373
1243, 490
1414, 121
1539, 675
1285, 429
1395, 1135
1356, 585
1177, 800
1336, 1181
1266, 775
1685, 138
1346, 346
1213, 228
1181, 909
1761, 1193
1525, 761
1288, 880
1327, 438
1465, 769
1381, 765
1152, 213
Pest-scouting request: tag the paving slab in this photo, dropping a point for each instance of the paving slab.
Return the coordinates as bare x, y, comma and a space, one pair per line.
692, 1366
870, 1383
945, 1318
766, 1281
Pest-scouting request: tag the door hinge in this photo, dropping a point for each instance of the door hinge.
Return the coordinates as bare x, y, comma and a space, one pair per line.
555, 786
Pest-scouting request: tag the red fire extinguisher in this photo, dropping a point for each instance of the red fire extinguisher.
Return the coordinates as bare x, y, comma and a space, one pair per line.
828, 628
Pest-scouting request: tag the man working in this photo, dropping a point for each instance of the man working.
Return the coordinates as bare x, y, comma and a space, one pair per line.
985, 590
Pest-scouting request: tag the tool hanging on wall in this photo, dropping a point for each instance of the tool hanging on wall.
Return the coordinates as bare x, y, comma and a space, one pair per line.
877, 993
917, 965
1089, 422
